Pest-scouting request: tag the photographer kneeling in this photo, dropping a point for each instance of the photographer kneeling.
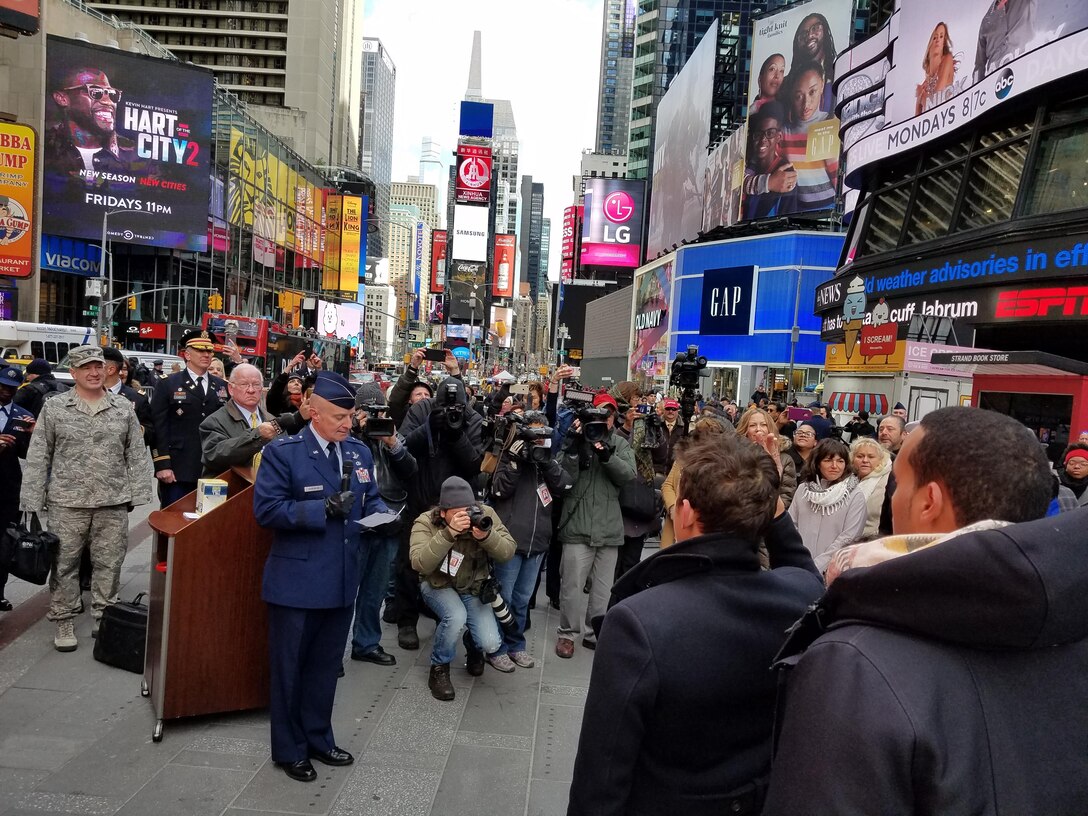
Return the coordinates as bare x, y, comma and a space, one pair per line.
451, 549
526, 482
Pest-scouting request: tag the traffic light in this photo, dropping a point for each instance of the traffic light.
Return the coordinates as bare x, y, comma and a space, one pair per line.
132, 303
215, 301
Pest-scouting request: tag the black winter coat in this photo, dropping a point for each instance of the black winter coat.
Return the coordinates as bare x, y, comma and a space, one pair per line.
952, 680
515, 497
681, 703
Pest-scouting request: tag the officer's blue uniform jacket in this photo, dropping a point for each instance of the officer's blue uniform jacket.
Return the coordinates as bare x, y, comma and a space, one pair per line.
314, 561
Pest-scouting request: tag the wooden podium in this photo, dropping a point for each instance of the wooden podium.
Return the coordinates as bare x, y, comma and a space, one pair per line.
207, 628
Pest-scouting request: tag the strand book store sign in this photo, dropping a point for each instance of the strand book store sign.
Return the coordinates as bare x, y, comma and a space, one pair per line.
126, 135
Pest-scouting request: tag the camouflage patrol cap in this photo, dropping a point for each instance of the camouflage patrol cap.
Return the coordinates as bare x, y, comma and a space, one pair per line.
81, 355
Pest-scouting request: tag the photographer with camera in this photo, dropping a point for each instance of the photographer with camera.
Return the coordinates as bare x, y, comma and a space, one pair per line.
591, 528
410, 388
452, 547
526, 483
640, 500
445, 438
394, 468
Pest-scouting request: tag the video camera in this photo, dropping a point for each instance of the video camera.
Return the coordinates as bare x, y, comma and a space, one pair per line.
538, 442
594, 424
447, 401
378, 426
687, 368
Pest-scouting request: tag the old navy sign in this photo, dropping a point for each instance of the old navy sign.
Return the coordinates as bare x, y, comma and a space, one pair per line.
70, 255
728, 300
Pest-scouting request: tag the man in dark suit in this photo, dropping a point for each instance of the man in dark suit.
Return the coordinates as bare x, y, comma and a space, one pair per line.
180, 403
17, 423
310, 491
115, 360
238, 431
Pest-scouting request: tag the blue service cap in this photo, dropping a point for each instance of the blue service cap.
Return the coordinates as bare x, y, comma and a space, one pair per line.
11, 376
335, 389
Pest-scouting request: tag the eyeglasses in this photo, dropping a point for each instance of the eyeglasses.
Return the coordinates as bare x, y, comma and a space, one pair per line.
770, 134
248, 386
96, 92
804, 433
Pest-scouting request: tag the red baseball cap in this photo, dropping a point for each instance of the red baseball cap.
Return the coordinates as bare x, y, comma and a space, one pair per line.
605, 399
671, 403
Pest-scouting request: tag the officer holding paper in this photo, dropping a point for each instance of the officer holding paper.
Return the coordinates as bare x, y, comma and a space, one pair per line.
311, 490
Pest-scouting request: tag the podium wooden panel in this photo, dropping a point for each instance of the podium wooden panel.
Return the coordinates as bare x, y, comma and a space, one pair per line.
207, 629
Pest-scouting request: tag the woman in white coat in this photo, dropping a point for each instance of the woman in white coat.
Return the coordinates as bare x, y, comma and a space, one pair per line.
829, 510
873, 465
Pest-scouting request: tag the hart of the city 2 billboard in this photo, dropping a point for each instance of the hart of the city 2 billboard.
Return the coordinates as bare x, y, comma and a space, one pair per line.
128, 137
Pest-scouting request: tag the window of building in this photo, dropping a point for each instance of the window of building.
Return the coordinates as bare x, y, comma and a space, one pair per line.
992, 182
889, 209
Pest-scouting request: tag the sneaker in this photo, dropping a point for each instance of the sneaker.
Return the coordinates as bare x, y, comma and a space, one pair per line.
564, 647
501, 662
65, 639
439, 682
523, 659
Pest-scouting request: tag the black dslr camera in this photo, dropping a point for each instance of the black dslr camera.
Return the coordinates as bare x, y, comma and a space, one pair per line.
479, 519
594, 424
453, 409
377, 425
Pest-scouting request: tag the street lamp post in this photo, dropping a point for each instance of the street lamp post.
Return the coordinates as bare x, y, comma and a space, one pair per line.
108, 278
563, 336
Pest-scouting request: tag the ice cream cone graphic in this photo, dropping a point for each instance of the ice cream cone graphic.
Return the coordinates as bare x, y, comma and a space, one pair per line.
853, 328
853, 313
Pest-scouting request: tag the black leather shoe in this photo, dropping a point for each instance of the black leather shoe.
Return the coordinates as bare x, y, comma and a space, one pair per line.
336, 757
407, 637
5, 605
378, 656
301, 771
589, 644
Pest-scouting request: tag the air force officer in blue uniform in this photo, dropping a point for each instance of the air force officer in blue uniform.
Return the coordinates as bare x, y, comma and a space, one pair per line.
312, 574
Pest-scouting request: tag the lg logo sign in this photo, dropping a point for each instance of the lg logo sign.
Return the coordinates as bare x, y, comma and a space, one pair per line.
618, 208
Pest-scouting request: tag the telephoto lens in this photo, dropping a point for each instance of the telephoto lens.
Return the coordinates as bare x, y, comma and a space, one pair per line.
489, 594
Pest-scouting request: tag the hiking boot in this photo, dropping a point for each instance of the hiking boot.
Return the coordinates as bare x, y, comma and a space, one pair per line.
65, 639
501, 662
523, 659
407, 637
439, 682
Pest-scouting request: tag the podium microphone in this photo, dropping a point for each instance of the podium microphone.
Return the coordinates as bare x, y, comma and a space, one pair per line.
345, 479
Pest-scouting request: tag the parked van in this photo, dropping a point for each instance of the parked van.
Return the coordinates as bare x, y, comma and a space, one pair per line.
63, 374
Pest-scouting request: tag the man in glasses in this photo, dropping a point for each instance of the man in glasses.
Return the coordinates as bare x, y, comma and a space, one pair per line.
84, 145
241, 428
770, 180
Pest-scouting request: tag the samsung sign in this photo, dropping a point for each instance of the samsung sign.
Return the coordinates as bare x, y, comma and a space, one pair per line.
728, 298
70, 255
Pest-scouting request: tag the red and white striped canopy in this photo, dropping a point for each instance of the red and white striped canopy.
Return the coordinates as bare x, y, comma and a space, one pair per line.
848, 402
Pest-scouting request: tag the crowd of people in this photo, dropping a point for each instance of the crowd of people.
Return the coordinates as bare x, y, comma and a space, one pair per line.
433, 498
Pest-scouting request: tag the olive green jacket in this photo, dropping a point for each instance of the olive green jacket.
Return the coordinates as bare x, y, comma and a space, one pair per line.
431, 544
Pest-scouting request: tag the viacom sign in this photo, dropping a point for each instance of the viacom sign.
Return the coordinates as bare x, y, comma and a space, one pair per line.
70, 255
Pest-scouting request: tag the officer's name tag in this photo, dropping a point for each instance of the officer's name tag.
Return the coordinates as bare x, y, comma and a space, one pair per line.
180, 396
451, 563
312, 489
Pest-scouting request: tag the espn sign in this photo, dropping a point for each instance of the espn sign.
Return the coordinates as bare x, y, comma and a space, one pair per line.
473, 174
1048, 302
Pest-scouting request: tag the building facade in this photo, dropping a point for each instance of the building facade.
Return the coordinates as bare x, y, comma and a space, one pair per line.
378, 105
297, 64
531, 233
381, 323
617, 68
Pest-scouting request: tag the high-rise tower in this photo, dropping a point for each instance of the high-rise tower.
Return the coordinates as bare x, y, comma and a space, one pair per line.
614, 90
376, 145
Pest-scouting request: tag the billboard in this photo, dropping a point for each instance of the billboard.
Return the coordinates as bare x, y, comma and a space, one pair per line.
952, 63
18, 152
792, 156
469, 232
683, 130
340, 320
612, 225
477, 119
22, 15
71, 256
130, 133
501, 330
473, 175
438, 262
728, 302
465, 279
724, 177
503, 284
649, 359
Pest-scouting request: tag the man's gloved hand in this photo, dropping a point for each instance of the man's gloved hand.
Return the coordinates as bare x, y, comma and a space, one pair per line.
603, 451
438, 420
338, 505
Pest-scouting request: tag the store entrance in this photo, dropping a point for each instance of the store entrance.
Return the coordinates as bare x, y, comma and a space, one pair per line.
1048, 416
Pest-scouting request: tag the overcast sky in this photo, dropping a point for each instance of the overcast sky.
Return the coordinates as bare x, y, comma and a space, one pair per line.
542, 55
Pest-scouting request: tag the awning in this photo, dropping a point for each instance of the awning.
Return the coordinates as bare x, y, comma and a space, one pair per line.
848, 402
1012, 363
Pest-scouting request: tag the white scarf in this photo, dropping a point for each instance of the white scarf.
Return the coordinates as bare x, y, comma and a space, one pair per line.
827, 500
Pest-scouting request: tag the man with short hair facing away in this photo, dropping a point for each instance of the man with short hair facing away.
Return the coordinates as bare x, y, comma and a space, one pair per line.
681, 706
923, 684
88, 464
238, 431
311, 489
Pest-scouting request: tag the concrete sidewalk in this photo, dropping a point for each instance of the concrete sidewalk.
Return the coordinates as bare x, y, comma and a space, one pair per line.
75, 735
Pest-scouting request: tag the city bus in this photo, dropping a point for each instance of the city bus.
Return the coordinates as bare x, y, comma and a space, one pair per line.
22, 342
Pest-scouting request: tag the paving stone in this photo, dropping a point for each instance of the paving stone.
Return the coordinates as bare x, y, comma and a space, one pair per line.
66, 803
19, 706
483, 781
39, 751
181, 790
416, 721
556, 742
392, 792
548, 798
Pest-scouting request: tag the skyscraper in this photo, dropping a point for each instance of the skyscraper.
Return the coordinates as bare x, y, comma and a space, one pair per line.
434, 171
376, 144
296, 63
614, 90
504, 144
532, 231
545, 249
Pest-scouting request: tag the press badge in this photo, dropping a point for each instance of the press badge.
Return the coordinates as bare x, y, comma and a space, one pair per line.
545, 494
451, 563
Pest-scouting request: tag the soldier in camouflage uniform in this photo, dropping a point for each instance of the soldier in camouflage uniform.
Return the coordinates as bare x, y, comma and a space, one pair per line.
88, 464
